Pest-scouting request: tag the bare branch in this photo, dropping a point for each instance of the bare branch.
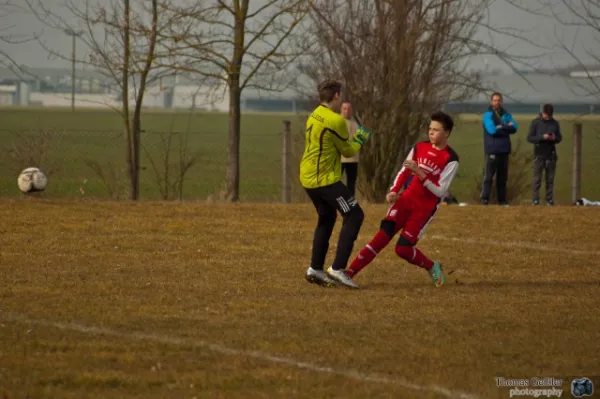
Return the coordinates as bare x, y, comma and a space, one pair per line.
399, 61
584, 17
7, 10
261, 9
205, 39
225, 7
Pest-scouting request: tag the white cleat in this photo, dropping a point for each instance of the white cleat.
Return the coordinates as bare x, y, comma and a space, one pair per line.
319, 277
341, 277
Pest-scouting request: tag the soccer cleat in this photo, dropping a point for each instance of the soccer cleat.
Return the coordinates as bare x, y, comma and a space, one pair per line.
550, 203
535, 202
341, 277
437, 275
319, 277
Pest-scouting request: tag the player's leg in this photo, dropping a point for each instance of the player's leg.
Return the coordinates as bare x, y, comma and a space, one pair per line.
538, 166
390, 225
405, 247
326, 221
337, 195
550, 172
502, 178
351, 176
488, 175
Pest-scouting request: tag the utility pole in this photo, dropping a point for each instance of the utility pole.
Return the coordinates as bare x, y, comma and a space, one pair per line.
73, 35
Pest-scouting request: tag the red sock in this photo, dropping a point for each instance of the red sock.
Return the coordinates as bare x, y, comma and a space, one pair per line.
368, 253
415, 256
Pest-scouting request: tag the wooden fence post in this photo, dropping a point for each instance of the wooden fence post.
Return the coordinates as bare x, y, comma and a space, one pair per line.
286, 189
576, 178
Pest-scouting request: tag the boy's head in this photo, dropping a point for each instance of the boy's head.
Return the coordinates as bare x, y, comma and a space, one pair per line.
330, 93
547, 111
440, 127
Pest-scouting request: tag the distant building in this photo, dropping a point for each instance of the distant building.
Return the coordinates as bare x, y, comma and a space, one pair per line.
526, 93
574, 90
54, 80
570, 90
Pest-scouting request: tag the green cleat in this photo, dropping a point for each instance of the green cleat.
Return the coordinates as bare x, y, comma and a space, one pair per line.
437, 275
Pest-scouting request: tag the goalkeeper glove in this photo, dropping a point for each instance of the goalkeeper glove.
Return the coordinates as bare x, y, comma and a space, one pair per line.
362, 135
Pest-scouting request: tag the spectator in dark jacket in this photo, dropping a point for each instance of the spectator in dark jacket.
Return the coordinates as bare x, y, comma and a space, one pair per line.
498, 125
544, 133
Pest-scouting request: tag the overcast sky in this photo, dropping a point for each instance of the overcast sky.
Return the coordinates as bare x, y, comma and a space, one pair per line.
502, 15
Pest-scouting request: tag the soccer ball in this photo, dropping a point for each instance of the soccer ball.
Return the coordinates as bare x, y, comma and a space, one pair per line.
32, 180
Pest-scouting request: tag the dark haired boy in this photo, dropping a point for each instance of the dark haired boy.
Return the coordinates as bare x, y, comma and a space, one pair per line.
544, 133
326, 140
431, 167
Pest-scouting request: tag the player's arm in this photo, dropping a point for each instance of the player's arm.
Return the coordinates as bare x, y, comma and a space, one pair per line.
403, 175
341, 140
443, 185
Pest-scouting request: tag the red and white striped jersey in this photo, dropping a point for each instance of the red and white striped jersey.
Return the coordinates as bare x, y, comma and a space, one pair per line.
439, 165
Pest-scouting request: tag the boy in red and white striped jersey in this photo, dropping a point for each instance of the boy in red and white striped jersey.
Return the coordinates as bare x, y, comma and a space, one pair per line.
426, 175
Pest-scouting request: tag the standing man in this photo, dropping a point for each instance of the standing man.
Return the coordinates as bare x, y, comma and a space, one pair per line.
327, 139
544, 133
498, 125
350, 164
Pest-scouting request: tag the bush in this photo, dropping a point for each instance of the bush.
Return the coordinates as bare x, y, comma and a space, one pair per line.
35, 149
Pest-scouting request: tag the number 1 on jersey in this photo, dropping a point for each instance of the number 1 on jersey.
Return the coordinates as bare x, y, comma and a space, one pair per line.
308, 133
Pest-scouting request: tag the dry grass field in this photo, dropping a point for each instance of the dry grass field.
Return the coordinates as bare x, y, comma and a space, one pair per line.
196, 300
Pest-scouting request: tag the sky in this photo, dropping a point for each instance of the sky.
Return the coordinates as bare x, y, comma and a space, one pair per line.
502, 16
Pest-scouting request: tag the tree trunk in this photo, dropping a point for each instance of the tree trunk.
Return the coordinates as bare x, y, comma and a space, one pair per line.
137, 114
136, 132
233, 149
235, 93
129, 134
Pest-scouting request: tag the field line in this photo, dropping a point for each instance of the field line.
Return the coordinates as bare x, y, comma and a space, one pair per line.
224, 350
512, 244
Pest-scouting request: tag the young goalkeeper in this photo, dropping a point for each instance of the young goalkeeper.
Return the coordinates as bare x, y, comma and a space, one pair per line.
327, 139
429, 170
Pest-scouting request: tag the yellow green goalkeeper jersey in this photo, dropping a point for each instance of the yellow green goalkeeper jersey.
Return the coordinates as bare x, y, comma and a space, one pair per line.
326, 141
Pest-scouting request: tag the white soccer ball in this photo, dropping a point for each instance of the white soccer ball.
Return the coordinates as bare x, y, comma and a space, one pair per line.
32, 180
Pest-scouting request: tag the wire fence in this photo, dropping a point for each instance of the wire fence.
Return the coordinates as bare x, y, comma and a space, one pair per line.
178, 165
192, 164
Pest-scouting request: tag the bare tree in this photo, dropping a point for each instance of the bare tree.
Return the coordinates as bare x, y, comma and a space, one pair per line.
8, 38
228, 44
582, 17
169, 176
123, 43
399, 60
110, 174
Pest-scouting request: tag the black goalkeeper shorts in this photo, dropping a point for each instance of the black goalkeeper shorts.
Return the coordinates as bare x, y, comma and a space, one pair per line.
334, 197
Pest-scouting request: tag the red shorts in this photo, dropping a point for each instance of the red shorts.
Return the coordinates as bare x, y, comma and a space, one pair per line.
410, 218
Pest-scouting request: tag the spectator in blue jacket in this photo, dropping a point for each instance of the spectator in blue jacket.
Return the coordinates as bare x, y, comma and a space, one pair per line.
498, 125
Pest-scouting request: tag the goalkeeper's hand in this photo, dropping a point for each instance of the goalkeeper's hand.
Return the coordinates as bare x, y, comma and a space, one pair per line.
362, 135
